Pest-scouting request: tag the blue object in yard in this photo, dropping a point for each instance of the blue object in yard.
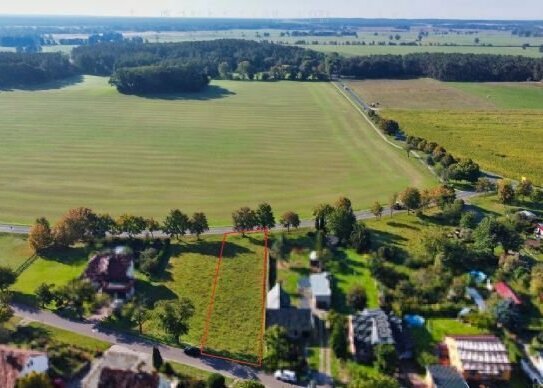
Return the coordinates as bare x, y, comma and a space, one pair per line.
478, 276
465, 311
414, 320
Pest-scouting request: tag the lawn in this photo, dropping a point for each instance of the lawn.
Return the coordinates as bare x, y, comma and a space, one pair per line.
236, 319
350, 269
239, 143
495, 124
42, 331
57, 268
435, 331
14, 250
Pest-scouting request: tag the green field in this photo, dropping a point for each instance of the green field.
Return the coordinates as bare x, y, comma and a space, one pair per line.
355, 50
498, 125
239, 143
14, 250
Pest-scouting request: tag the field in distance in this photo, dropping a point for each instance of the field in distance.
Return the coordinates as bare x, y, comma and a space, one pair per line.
498, 125
239, 143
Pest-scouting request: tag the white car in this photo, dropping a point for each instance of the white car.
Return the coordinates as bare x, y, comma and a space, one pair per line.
285, 375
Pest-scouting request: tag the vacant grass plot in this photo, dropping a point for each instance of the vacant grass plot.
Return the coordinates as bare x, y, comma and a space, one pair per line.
239, 143
498, 125
237, 310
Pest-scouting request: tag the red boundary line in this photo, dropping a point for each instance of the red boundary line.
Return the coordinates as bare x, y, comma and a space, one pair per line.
263, 304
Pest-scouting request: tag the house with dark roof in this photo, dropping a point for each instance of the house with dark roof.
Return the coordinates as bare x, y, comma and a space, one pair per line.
442, 376
117, 378
279, 312
374, 327
112, 273
505, 292
16, 363
479, 357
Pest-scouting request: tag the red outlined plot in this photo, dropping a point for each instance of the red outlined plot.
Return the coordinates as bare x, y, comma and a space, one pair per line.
264, 273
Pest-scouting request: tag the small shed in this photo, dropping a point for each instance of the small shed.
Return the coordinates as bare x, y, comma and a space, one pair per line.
321, 290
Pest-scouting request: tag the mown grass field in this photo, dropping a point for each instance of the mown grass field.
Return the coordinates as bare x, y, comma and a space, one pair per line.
498, 125
239, 143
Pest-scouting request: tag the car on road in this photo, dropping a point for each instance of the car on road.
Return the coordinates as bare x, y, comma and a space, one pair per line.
285, 375
192, 351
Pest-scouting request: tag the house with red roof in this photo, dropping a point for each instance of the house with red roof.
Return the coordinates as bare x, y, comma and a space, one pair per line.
112, 273
505, 292
16, 363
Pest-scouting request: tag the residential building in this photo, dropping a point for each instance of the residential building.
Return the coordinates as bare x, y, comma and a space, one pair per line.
373, 327
505, 292
441, 376
121, 367
479, 357
297, 321
320, 290
16, 363
112, 273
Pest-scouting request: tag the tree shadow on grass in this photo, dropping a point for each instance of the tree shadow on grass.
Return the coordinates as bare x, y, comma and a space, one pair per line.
51, 85
212, 92
26, 334
153, 293
395, 224
209, 248
70, 255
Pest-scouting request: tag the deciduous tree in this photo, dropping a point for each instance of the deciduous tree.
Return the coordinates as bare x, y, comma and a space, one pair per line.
173, 316
506, 193
277, 347
40, 236
410, 197
44, 294
176, 224
198, 224
264, 215
377, 209
244, 219
290, 220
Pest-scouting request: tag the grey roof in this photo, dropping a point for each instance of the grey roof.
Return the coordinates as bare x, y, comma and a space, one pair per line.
277, 298
446, 377
320, 284
373, 327
291, 318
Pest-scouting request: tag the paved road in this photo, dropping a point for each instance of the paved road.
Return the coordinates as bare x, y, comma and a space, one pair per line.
143, 345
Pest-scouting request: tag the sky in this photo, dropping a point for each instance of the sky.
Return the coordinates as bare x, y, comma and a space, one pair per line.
411, 9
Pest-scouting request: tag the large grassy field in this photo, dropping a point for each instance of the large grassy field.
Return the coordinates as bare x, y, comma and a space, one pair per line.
498, 125
239, 143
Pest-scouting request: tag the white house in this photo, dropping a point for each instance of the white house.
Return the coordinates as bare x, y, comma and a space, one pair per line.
16, 363
320, 290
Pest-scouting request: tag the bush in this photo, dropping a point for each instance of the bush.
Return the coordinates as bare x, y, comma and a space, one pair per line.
357, 298
216, 380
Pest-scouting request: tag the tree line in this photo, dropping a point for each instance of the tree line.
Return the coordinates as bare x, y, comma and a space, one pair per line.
25, 69
250, 60
446, 165
444, 67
